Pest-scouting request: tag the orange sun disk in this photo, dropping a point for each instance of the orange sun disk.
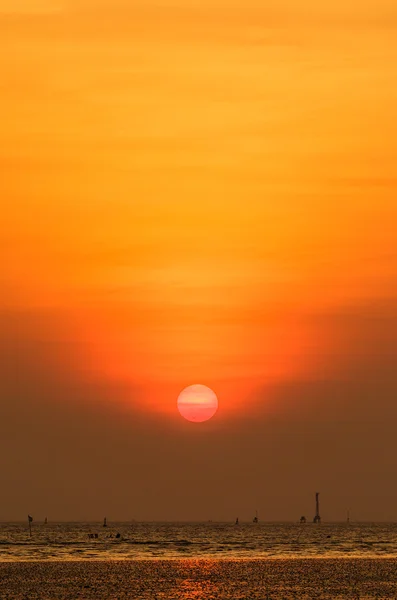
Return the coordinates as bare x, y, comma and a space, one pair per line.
197, 403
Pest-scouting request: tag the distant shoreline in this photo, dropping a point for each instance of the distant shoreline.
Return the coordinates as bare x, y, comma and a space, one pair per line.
99, 522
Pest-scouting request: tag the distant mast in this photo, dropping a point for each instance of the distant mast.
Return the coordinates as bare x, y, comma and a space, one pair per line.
317, 518
105, 522
30, 521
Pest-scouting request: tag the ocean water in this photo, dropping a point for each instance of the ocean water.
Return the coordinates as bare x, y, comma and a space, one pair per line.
140, 541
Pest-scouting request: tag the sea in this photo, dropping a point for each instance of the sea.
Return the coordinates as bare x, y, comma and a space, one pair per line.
141, 541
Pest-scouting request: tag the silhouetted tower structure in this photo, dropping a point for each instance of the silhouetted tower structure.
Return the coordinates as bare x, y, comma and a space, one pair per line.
317, 518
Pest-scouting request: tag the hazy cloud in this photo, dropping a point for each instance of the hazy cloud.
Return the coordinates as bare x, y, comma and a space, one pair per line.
70, 449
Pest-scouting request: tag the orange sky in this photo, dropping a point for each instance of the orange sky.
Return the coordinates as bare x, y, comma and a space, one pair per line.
194, 185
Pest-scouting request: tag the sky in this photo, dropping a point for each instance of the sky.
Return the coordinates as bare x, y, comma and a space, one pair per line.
198, 193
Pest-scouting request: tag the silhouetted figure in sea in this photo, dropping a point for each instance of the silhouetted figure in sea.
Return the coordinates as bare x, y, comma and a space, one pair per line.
236, 523
118, 536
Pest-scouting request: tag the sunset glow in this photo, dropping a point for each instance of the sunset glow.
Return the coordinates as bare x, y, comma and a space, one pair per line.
186, 184
198, 192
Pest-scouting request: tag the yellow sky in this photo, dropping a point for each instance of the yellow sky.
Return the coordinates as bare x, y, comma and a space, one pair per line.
194, 181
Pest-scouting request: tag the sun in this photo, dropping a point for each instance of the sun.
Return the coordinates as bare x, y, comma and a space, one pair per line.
197, 403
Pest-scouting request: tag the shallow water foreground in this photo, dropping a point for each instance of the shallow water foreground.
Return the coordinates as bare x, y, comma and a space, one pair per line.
91, 541
188, 579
